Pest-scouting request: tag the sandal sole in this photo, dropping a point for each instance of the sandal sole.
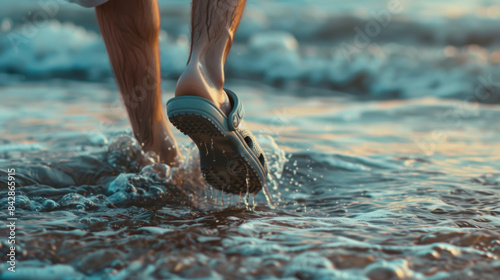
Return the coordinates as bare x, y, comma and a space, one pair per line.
221, 164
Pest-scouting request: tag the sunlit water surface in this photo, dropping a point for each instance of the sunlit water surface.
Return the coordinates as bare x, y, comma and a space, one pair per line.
357, 190
382, 164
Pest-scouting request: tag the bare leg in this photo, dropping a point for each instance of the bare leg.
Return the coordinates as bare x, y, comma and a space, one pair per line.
130, 30
213, 25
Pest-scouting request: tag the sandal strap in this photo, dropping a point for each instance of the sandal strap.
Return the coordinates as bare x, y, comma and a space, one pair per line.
237, 113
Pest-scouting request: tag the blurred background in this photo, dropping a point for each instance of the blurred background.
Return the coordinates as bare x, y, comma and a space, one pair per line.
379, 120
373, 48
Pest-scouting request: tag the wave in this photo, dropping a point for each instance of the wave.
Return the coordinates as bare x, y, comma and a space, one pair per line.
408, 58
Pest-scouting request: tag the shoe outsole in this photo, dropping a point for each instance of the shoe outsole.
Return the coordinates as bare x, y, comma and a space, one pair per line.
221, 164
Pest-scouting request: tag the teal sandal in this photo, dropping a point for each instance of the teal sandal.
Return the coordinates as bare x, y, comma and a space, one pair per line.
230, 157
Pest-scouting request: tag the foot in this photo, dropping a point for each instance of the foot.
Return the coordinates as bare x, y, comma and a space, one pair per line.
195, 81
162, 143
231, 159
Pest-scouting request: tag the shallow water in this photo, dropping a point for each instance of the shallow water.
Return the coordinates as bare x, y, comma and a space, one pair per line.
353, 193
383, 165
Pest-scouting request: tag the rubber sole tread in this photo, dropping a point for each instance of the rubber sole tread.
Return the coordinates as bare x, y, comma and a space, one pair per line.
221, 165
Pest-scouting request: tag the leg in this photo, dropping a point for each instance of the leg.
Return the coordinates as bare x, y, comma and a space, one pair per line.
213, 25
230, 156
130, 31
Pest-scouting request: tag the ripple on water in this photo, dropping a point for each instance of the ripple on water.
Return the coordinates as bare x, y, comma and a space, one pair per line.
106, 210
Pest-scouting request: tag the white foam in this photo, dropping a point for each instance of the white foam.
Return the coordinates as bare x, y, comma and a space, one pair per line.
301, 49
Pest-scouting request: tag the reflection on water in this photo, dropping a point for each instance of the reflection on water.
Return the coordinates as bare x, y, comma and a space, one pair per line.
374, 172
360, 190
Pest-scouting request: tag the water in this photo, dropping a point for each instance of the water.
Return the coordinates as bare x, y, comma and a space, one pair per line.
357, 197
386, 167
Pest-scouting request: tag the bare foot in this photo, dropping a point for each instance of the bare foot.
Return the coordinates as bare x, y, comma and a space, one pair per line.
162, 143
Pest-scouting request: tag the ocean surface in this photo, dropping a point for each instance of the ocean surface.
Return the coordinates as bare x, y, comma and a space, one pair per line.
380, 127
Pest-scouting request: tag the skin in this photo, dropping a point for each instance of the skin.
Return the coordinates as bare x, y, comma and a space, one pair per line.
130, 31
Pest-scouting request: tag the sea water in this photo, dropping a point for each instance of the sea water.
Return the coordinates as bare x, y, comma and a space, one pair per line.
383, 164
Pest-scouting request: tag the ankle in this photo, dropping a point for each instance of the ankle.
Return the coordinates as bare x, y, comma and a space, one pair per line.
203, 81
